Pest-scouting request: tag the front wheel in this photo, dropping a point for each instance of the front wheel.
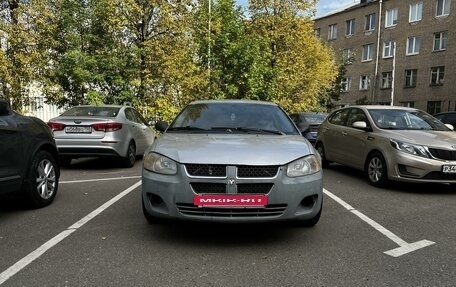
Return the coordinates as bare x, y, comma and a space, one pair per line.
376, 170
321, 150
130, 158
42, 180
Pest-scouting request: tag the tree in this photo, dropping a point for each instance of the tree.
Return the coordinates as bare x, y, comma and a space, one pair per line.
20, 52
299, 65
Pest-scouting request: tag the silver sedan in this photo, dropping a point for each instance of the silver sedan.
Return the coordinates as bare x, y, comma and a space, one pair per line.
108, 130
389, 143
232, 161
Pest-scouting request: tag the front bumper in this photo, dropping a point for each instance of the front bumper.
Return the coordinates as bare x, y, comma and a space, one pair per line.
409, 168
167, 196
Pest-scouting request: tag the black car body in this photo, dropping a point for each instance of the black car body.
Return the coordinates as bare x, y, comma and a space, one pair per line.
28, 158
308, 123
447, 118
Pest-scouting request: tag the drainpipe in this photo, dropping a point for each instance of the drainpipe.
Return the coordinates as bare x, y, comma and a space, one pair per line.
378, 50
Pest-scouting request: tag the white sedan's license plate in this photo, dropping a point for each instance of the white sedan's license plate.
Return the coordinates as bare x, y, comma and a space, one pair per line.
78, 129
449, 169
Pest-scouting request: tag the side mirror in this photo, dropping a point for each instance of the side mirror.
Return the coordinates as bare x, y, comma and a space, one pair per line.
361, 125
5, 108
161, 126
450, 126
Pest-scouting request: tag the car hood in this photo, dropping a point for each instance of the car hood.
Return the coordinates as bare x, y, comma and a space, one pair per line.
445, 139
232, 149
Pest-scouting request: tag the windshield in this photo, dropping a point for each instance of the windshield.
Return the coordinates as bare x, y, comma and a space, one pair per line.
233, 118
395, 119
315, 118
92, 111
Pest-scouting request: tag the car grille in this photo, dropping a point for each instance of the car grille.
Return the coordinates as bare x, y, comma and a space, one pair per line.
251, 171
205, 187
243, 171
268, 211
244, 188
209, 170
257, 188
436, 175
443, 154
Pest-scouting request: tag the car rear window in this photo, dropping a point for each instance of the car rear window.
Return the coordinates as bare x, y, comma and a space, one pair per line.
109, 112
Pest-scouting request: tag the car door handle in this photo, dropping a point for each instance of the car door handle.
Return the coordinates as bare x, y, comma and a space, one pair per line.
344, 133
369, 138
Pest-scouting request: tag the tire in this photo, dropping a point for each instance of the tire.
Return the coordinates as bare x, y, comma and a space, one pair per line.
130, 158
321, 150
376, 170
42, 180
313, 221
149, 217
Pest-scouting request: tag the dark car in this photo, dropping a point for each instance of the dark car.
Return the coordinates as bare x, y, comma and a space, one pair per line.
28, 158
308, 123
447, 118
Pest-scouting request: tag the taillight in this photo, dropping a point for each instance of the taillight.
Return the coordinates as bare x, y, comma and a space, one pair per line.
56, 126
107, 127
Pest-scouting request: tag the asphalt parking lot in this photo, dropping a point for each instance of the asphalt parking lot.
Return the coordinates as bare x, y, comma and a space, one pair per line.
94, 234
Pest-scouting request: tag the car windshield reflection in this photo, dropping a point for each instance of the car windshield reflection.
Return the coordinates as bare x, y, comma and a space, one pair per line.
396, 119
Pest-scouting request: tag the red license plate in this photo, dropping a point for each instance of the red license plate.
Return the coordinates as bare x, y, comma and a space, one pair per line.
230, 200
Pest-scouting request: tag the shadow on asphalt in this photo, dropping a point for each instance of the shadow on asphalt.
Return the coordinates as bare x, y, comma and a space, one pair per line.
94, 163
228, 234
396, 186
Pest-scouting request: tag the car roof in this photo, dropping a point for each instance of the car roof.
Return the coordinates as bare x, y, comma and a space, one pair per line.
380, 107
232, 101
445, 113
101, 106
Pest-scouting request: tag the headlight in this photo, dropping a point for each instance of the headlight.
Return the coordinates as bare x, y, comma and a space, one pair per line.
304, 166
160, 164
414, 149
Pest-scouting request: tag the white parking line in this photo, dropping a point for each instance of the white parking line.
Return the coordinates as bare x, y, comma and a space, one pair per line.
21, 264
100, 179
403, 248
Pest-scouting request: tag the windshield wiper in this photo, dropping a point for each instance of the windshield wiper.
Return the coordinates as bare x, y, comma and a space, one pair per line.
247, 130
186, 128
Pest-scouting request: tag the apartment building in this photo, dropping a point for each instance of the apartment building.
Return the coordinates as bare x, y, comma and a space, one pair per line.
400, 52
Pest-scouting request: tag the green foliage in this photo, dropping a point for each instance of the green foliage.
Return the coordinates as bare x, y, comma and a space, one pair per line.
160, 55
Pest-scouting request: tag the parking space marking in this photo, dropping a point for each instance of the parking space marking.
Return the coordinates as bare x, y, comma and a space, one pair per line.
21, 264
100, 179
403, 248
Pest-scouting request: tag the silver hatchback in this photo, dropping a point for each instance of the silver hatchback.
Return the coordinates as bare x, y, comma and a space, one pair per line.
107, 130
389, 143
232, 161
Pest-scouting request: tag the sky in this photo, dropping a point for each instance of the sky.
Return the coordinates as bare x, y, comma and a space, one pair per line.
324, 7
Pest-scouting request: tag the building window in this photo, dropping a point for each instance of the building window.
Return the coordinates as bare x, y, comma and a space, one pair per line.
437, 74
332, 32
350, 27
440, 40
410, 78
317, 32
434, 107
388, 49
391, 17
364, 83
416, 10
387, 79
370, 22
346, 84
413, 45
347, 55
443, 7
407, 104
368, 51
